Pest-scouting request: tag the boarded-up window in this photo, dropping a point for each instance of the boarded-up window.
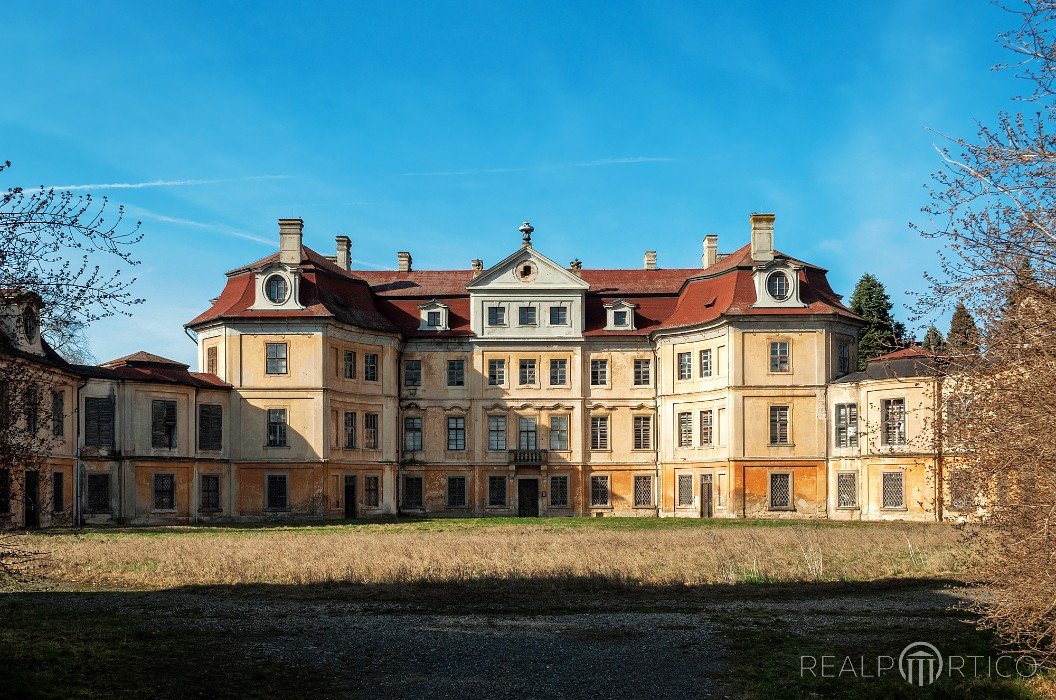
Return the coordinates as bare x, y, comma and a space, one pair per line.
209, 498
58, 413
210, 426
413, 496
163, 424
894, 488
599, 491
97, 493
277, 492
780, 491
58, 492
847, 489
643, 491
456, 492
99, 422
496, 491
371, 491
685, 489
210, 360
779, 425
559, 491
164, 492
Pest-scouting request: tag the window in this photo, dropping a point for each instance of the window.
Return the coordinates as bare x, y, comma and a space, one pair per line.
526, 316
496, 372
558, 372
894, 488
210, 360
893, 413
276, 289
456, 433
599, 491
412, 373
350, 364
779, 359
58, 413
685, 366
275, 358
559, 491
210, 426
705, 363
277, 427
706, 427
642, 372
370, 367
456, 372
599, 432
619, 318
527, 434
456, 492
97, 493
5, 491
685, 490
559, 433
846, 425
58, 493
413, 492
209, 496
496, 433
779, 425
164, 492
777, 285
781, 491
843, 358
371, 490
99, 422
496, 316
643, 491
32, 410
558, 316
846, 490
496, 491
412, 433
643, 432
163, 424
432, 319
527, 372
685, 429
599, 372
350, 430
370, 431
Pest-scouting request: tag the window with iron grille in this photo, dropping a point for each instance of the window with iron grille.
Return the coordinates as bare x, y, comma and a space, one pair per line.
210, 426
209, 492
685, 490
496, 316
779, 425
275, 360
58, 413
599, 372
412, 373
779, 358
894, 488
685, 429
780, 491
527, 372
526, 316
350, 430
99, 422
412, 433
599, 432
350, 364
558, 372
843, 358
370, 431
496, 433
413, 492
32, 410
456, 492
705, 363
599, 491
370, 367
496, 372
706, 427
558, 316
559, 491
527, 434
58, 492
456, 433
643, 375
277, 492
643, 432
456, 372
97, 493
163, 424
643, 491
496, 491
559, 433
371, 491
5, 491
210, 360
164, 492
847, 489
685, 365
277, 427
846, 425
893, 413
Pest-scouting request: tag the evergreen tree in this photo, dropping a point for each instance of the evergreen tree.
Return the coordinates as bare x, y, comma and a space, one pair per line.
871, 302
963, 338
933, 339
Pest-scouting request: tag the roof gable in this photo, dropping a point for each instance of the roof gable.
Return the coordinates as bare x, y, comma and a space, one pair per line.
545, 273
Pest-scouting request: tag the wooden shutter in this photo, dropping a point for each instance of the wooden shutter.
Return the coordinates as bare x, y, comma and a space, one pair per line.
158, 437
210, 427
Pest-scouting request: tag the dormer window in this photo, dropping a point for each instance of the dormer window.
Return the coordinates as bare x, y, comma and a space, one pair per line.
276, 289
619, 316
777, 285
434, 316
30, 323
434, 319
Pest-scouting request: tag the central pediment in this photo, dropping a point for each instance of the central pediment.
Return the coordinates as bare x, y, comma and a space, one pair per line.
527, 270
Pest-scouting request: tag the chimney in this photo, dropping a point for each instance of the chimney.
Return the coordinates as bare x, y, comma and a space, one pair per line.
404, 261
711, 250
344, 252
649, 262
763, 237
290, 241
477, 265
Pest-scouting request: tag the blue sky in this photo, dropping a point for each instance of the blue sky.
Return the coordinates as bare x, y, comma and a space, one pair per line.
438, 128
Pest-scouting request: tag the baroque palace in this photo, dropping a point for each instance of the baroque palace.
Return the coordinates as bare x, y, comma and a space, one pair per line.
524, 388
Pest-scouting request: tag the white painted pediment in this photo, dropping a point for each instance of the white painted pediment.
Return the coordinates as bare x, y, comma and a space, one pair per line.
526, 270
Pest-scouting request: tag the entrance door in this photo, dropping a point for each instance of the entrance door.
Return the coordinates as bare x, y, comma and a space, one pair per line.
528, 498
350, 497
31, 500
705, 496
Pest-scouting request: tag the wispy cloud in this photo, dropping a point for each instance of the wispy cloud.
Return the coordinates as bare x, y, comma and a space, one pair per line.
216, 228
556, 166
160, 183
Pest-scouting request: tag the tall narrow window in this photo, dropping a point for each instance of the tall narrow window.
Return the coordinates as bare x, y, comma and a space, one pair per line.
527, 372
496, 372
559, 433
893, 414
413, 492
210, 426
685, 365
370, 367
456, 492
599, 372
643, 491
371, 491
558, 372
496, 433
350, 430
496, 491
32, 410
99, 422
527, 434
894, 487
685, 490
209, 492
559, 491
275, 358
643, 375
779, 425
370, 431
58, 413
58, 492
164, 492
5, 491
97, 493
685, 429
599, 432
846, 425
163, 425
456, 372
210, 360
779, 357
846, 490
412, 433
350, 364
781, 491
843, 358
643, 432
705, 363
277, 427
707, 427
599, 491
456, 433
412, 373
